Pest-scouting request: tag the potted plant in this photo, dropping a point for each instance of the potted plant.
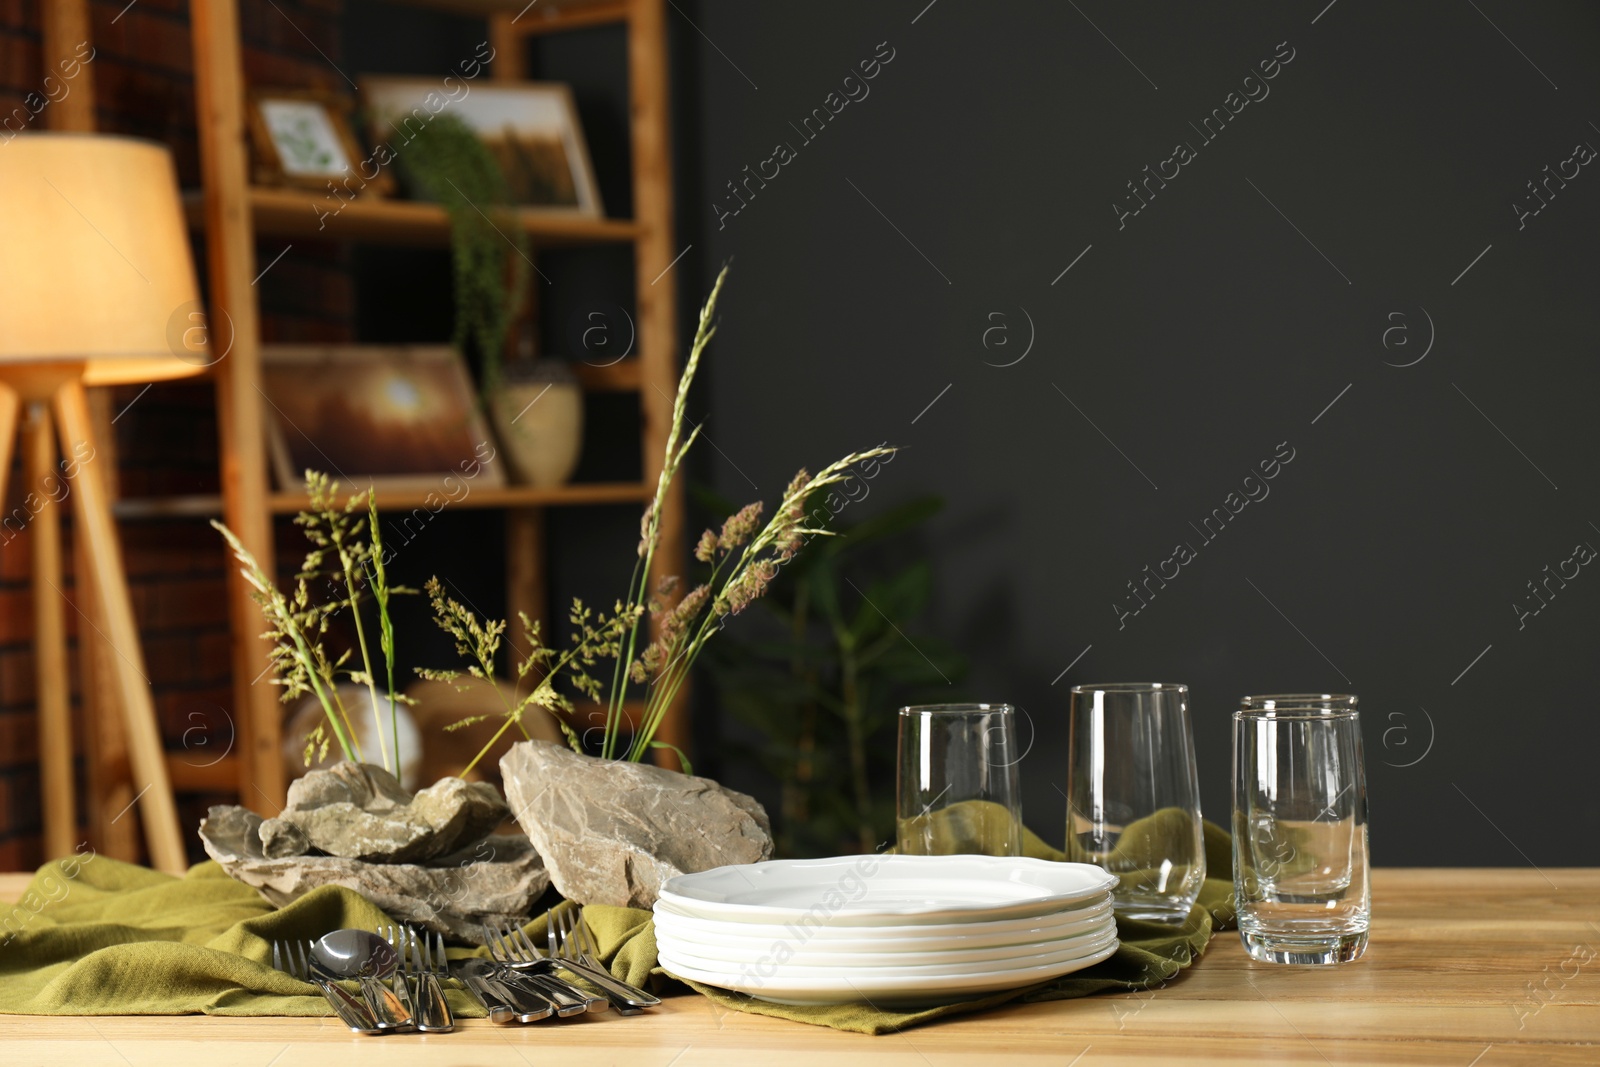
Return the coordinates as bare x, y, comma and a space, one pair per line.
609, 826
432, 857
536, 405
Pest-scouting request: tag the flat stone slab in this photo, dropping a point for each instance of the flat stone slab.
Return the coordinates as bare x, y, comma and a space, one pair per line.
611, 832
359, 811
497, 878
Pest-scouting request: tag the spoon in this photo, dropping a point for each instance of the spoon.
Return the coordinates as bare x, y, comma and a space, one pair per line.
368, 958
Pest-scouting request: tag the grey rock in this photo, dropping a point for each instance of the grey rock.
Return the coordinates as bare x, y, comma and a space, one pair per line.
612, 832
284, 839
497, 878
359, 811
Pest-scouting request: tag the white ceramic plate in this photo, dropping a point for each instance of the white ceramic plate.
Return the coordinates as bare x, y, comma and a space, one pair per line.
761, 938
889, 938
763, 958
886, 890
843, 987
1096, 907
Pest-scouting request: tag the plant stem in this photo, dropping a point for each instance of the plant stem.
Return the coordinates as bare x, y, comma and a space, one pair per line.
279, 615
671, 457
366, 665
619, 675
379, 580
334, 708
513, 717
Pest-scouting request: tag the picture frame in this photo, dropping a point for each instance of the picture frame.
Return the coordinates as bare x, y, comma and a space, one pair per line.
388, 417
531, 128
305, 138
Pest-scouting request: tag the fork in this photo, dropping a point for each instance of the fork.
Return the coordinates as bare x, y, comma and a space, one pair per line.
426, 996
294, 960
537, 973
573, 947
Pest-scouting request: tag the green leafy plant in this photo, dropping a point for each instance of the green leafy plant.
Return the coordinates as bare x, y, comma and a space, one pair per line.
821, 690
653, 639
741, 560
744, 557
448, 162
595, 637
350, 568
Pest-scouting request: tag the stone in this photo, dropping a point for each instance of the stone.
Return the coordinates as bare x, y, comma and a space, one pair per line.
496, 879
612, 832
359, 811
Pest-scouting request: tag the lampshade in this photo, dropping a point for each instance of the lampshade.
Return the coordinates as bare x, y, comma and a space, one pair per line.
94, 259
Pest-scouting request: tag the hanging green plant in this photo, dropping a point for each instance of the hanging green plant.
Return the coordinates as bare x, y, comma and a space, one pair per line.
448, 162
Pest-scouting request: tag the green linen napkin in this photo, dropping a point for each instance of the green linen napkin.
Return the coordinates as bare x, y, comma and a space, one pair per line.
95, 936
1149, 954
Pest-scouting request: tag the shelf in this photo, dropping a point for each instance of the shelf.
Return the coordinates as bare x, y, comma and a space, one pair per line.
622, 376
306, 213
218, 776
532, 17
486, 496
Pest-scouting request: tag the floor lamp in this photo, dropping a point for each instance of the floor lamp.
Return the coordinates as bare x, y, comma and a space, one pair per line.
97, 287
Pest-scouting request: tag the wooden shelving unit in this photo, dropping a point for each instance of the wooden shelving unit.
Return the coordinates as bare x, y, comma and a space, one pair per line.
370, 219
533, 18
232, 213
204, 505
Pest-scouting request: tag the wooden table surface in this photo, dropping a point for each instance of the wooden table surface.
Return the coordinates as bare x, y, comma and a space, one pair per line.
1467, 968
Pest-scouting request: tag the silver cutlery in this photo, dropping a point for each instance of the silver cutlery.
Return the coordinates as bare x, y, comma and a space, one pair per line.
369, 959
505, 1003
295, 961
418, 981
519, 984
499, 1011
537, 974
573, 946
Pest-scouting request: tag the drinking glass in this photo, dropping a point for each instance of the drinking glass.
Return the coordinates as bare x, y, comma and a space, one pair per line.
1133, 797
1300, 700
1300, 832
956, 789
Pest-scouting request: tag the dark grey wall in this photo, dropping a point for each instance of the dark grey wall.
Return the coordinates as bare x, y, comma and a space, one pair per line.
1313, 247
877, 275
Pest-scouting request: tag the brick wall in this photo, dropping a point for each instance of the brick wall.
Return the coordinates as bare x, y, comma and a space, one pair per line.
166, 438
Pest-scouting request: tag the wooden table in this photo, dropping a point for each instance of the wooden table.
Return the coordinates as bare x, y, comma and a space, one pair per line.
1467, 968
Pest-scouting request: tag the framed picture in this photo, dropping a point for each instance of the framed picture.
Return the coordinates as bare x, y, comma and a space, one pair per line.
303, 137
386, 416
531, 128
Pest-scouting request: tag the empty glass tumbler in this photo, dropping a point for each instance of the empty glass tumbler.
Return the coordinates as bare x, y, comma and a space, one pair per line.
1300, 831
956, 789
1133, 797
1300, 700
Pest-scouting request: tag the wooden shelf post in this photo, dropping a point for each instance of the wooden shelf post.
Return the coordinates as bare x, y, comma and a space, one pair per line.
657, 292
236, 345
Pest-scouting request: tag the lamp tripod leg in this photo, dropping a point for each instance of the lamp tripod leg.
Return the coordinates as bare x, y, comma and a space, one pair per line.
43, 482
9, 403
92, 510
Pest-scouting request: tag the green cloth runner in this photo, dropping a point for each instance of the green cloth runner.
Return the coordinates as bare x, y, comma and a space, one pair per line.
95, 936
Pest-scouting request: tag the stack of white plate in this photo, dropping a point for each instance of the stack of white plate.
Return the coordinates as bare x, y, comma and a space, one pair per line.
886, 930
